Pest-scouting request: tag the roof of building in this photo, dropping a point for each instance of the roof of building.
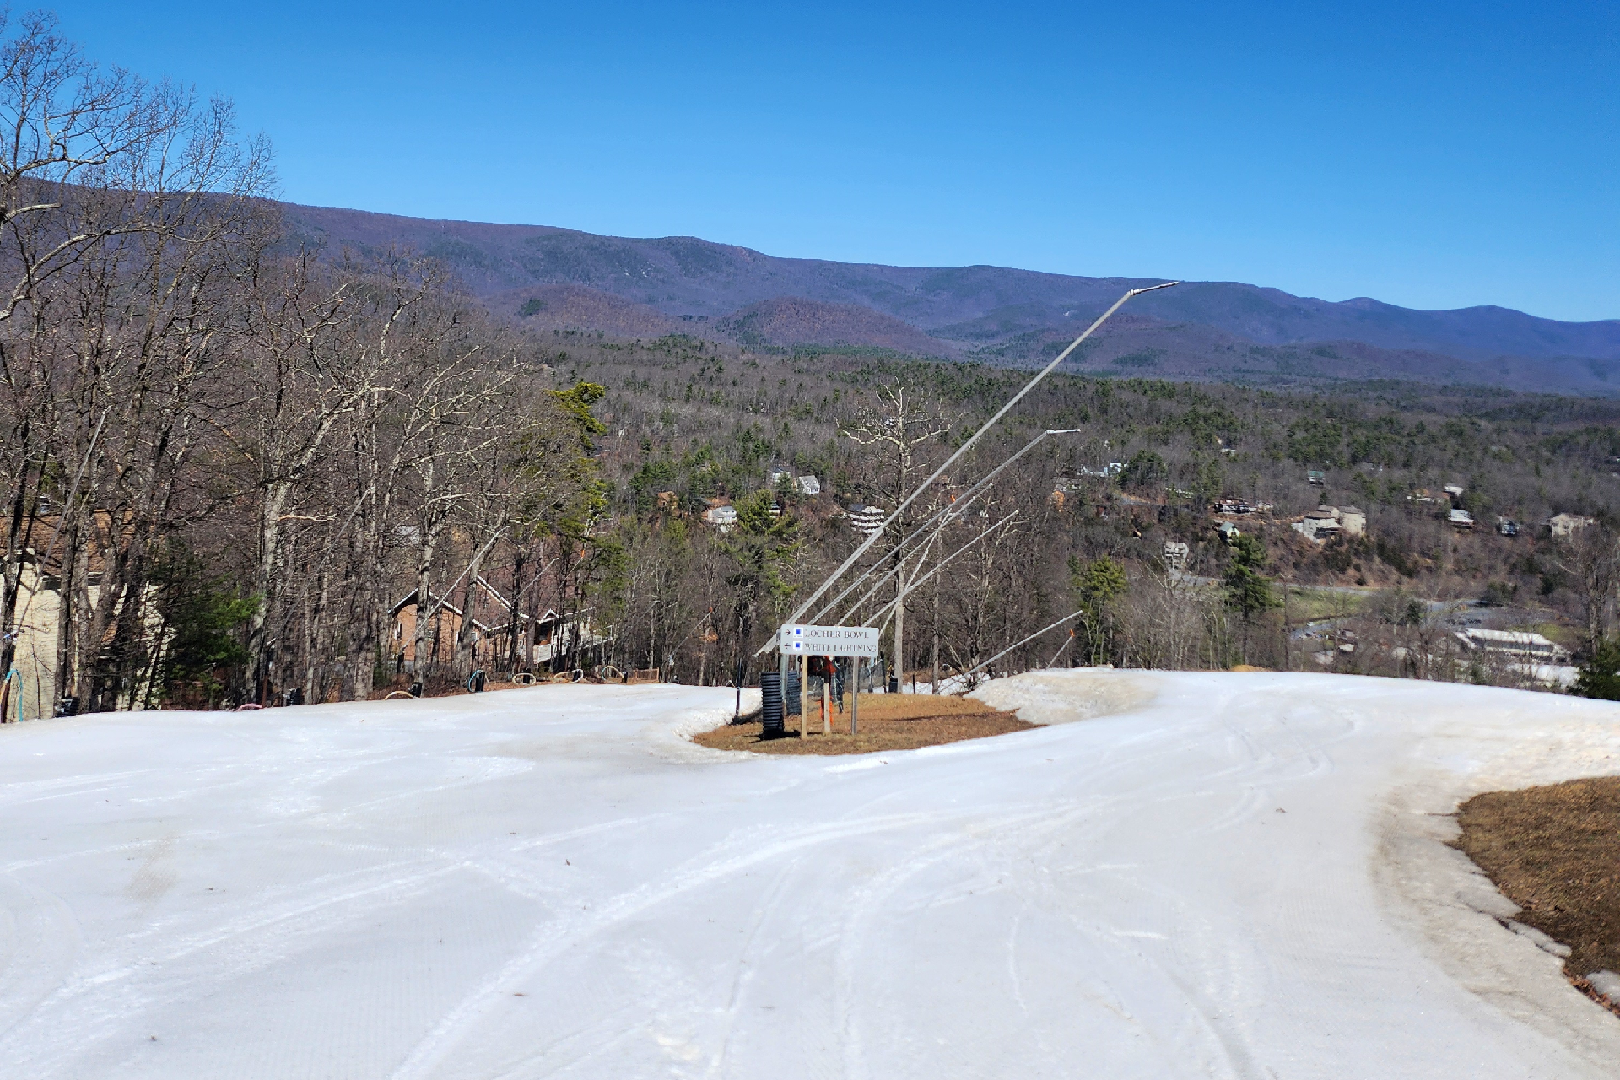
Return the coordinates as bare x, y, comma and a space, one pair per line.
43, 541
409, 600
1509, 637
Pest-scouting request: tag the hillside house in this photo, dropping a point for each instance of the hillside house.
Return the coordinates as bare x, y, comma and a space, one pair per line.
547, 636
1175, 555
1519, 644
1066, 489
1460, 519
557, 635
1068, 485
1564, 526
721, 514
447, 622
30, 688
866, 520
1319, 524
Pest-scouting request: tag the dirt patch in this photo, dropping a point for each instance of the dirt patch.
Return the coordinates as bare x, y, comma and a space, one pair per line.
1555, 851
887, 722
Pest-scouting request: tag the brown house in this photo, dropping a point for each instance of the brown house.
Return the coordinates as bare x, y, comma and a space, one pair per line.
550, 635
446, 625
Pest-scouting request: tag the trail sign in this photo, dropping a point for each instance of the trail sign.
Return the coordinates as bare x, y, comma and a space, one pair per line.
798, 639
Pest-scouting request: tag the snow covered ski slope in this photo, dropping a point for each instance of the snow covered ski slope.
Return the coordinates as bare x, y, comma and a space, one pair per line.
1240, 875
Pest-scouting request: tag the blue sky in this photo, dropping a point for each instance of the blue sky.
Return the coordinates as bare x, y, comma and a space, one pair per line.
1427, 154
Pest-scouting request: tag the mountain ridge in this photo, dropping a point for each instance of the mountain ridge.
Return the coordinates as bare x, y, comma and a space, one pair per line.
1000, 314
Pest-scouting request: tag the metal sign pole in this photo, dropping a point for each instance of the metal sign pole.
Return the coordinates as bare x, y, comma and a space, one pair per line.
855, 696
804, 695
782, 662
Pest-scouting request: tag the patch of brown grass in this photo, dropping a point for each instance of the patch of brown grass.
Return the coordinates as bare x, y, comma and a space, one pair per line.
887, 722
1555, 851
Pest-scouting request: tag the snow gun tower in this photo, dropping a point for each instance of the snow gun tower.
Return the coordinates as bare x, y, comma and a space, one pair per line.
913, 561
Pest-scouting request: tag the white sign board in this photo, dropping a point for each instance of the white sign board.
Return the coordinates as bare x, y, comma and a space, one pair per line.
796, 638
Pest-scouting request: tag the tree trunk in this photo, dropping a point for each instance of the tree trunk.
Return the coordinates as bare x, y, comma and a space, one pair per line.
900, 622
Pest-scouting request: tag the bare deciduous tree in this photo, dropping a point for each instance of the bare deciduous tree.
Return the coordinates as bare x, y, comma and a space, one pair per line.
900, 421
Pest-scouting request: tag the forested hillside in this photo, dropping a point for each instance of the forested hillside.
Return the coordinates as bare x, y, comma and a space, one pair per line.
691, 423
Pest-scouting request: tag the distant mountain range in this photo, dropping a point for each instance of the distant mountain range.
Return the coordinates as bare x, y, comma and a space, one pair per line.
551, 278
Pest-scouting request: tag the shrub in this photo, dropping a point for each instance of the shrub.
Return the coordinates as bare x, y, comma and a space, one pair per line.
1600, 676
1144, 470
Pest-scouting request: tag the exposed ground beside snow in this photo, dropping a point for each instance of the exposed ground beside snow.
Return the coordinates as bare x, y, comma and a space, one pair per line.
551, 882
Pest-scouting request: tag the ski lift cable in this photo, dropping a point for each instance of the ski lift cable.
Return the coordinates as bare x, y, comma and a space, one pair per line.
924, 579
937, 521
855, 556
921, 555
857, 605
942, 517
981, 666
1067, 641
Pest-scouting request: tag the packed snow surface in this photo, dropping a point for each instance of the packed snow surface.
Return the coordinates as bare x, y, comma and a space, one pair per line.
1204, 875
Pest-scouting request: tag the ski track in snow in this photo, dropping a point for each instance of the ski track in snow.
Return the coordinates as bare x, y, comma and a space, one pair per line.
1207, 875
